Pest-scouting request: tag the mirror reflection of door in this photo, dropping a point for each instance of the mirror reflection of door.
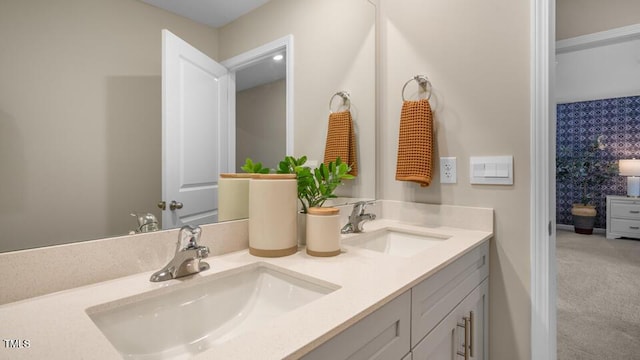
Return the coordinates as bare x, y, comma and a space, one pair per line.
261, 111
195, 133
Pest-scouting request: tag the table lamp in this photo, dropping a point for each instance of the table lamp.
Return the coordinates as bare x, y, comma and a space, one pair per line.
631, 169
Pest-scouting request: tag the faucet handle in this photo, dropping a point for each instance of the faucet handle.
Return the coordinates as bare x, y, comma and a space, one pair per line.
188, 237
360, 206
364, 203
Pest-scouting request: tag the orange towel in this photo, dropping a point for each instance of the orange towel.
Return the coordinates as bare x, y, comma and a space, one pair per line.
341, 140
415, 144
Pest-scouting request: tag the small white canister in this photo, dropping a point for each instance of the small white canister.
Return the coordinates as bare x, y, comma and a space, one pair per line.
273, 210
233, 196
323, 231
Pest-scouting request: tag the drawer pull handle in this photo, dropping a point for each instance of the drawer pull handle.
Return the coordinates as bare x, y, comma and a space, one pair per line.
471, 334
468, 334
634, 227
634, 211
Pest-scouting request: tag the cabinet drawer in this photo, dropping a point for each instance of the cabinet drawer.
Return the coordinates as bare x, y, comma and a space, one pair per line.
625, 210
626, 227
436, 296
381, 335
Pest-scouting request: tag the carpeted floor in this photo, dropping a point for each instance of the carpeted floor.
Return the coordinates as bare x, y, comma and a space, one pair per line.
598, 297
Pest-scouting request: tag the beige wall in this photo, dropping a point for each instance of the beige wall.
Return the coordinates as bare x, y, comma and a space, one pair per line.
260, 124
476, 55
582, 17
334, 49
80, 116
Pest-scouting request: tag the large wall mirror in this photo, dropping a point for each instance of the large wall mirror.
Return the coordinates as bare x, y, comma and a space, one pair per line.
80, 103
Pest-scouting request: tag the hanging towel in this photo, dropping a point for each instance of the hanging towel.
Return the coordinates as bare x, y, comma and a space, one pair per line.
341, 141
415, 144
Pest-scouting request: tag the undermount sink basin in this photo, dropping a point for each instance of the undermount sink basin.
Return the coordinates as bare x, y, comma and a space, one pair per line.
396, 242
179, 321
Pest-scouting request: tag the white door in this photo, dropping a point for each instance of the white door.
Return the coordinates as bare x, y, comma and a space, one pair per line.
194, 133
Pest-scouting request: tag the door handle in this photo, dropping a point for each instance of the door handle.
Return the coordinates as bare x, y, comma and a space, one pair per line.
175, 205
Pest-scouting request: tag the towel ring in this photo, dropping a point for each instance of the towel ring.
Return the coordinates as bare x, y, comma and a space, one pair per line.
346, 100
422, 81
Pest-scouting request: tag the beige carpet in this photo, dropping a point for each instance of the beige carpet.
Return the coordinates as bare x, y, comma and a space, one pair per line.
598, 297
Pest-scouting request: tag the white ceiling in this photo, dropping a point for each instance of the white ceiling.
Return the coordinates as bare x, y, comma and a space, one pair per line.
262, 72
215, 13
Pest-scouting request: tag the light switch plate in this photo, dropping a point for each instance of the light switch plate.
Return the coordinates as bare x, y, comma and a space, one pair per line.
491, 170
448, 171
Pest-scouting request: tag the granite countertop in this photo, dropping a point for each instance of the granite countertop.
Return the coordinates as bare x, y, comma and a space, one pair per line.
58, 327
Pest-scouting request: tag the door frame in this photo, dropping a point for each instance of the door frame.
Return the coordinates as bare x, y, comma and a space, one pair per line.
247, 59
542, 181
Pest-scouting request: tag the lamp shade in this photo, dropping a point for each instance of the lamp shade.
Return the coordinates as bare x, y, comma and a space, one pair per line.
629, 167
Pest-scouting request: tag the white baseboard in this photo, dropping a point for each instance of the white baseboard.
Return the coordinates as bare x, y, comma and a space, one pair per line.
570, 228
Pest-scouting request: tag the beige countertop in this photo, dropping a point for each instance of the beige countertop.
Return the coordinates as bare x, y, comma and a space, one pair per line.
57, 326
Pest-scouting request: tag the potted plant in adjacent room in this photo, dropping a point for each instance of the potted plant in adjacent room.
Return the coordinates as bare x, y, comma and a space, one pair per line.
586, 171
254, 168
314, 186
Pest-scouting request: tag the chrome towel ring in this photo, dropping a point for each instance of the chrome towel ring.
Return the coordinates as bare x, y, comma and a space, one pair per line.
423, 82
346, 100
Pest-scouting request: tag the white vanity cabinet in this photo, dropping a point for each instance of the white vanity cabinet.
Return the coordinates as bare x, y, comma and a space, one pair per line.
426, 322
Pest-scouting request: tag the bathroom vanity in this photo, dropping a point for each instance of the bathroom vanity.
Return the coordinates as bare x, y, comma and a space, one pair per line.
414, 285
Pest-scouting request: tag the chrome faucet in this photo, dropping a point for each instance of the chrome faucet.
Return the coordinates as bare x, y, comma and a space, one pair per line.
186, 261
358, 217
146, 222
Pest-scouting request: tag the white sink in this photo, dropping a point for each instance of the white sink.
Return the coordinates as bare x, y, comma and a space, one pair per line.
396, 242
179, 321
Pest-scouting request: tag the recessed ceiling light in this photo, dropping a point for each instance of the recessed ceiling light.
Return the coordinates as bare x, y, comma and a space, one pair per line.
278, 57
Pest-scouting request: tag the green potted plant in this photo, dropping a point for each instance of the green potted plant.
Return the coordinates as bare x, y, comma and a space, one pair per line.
586, 171
314, 186
254, 168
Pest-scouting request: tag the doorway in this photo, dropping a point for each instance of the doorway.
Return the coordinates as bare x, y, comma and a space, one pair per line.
263, 77
597, 95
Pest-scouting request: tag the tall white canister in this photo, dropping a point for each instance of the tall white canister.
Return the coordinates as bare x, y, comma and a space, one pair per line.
233, 196
273, 210
323, 231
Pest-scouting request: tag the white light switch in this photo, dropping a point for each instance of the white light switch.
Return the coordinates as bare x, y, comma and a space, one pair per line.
490, 169
502, 171
496, 170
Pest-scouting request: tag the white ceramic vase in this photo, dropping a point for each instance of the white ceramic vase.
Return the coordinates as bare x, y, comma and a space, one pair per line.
323, 232
273, 210
233, 196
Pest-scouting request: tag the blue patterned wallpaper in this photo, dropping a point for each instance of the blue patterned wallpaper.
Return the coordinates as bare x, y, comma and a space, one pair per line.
579, 124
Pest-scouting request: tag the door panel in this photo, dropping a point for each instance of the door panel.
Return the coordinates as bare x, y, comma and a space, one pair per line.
194, 133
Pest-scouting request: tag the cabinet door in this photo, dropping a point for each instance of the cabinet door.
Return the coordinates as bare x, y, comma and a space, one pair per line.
478, 304
461, 334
